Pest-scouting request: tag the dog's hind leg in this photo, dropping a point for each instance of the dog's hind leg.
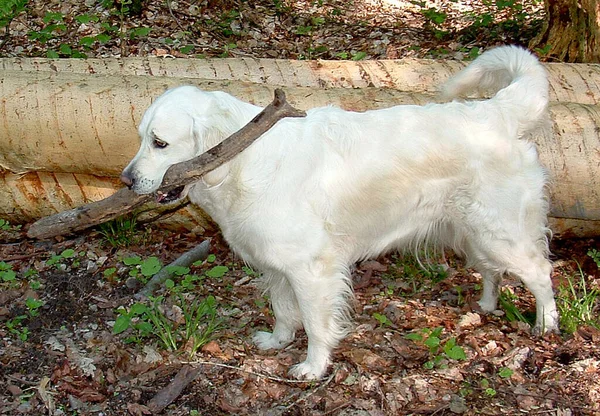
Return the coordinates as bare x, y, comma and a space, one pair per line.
526, 261
287, 314
323, 301
535, 273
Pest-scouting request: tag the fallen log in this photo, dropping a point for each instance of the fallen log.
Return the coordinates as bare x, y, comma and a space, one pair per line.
569, 82
183, 173
56, 153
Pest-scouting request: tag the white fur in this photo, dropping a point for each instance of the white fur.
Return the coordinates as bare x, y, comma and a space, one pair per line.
316, 194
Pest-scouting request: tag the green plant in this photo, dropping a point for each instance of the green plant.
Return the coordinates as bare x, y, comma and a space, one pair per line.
382, 319
507, 302
7, 274
15, 326
487, 389
439, 350
200, 323
120, 232
594, 255
6, 226
577, 304
54, 23
505, 372
67, 258
416, 275
33, 305
143, 269
9, 10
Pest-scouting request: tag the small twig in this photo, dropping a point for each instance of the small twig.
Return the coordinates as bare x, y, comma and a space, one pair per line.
241, 370
21, 256
200, 252
313, 391
335, 409
190, 371
21, 381
174, 17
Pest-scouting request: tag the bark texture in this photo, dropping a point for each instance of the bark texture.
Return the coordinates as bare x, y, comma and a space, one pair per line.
571, 31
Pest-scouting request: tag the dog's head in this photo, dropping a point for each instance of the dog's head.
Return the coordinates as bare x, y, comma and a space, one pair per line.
181, 124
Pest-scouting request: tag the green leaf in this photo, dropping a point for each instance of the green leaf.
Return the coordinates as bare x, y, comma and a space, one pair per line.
130, 261
109, 272
150, 266
8, 275
414, 336
432, 342
65, 49
68, 253
121, 324
304, 30
52, 55
359, 56
456, 353
50, 17
32, 303
86, 18
186, 49
169, 284
87, 41
144, 327
505, 372
217, 271
490, 392
139, 32
178, 270
103, 38
211, 258
137, 309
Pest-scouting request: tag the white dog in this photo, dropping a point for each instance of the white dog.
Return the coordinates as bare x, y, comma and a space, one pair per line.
314, 195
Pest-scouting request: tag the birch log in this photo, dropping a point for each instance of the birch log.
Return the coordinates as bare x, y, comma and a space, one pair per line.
65, 136
578, 83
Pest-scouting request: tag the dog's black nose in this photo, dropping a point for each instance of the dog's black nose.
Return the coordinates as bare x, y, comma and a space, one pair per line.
127, 180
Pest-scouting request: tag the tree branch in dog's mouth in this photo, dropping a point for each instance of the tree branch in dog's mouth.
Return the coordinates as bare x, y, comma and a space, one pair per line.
171, 196
179, 175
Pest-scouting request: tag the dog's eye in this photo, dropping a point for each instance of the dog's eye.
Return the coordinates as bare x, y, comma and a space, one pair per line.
160, 144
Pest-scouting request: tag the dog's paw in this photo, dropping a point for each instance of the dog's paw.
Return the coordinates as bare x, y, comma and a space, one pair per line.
548, 326
307, 371
266, 341
487, 306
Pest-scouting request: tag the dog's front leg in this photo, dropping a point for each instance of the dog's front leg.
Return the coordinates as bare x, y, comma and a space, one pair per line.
323, 303
287, 314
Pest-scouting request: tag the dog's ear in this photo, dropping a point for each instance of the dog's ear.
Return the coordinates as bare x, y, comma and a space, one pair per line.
206, 135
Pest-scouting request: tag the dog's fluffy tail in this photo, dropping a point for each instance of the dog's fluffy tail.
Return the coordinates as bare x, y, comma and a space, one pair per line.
518, 77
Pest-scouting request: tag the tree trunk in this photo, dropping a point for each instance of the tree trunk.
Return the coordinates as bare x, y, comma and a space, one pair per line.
571, 31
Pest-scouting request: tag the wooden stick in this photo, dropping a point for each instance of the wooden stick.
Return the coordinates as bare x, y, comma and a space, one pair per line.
200, 252
125, 200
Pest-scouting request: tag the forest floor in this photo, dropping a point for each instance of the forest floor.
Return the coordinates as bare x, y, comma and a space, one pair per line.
74, 341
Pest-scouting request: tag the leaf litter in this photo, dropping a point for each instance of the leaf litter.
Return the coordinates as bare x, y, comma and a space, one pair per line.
420, 351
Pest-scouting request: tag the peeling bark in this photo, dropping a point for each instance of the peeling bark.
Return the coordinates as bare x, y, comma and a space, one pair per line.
571, 31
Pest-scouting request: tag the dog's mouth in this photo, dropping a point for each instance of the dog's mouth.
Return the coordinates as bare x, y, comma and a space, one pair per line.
171, 196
